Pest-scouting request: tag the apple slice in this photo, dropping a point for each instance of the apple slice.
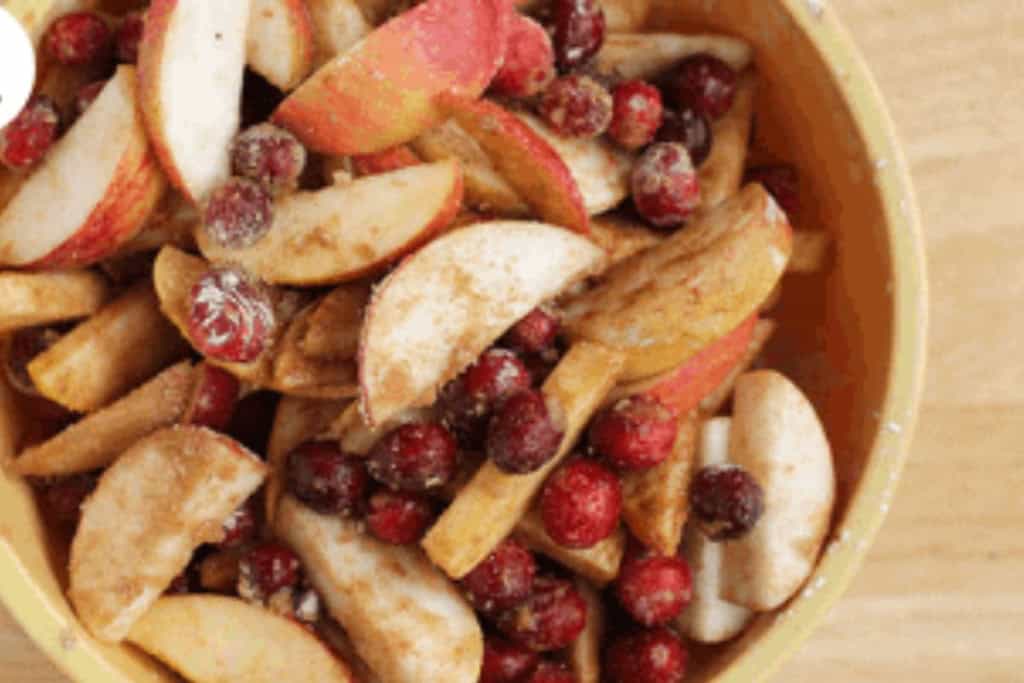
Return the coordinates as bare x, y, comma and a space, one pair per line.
646, 55
777, 437
280, 43
12, 428
171, 222
390, 159
625, 15
337, 26
339, 642
345, 232
297, 372
191, 64
721, 174
711, 404
10, 183
810, 251
164, 497
404, 618
333, 326
487, 509
437, 312
30, 299
383, 91
79, 218
534, 169
622, 238
698, 285
585, 652
598, 564
213, 638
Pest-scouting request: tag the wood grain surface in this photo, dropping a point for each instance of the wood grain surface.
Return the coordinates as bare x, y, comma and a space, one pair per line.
941, 598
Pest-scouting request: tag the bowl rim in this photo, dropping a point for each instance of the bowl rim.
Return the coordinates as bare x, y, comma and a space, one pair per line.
83, 660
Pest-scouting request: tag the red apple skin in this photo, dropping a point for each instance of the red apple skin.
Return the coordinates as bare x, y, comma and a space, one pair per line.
214, 398
384, 91
303, 42
386, 160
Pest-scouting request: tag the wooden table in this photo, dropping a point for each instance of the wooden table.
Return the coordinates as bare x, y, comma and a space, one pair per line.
941, 598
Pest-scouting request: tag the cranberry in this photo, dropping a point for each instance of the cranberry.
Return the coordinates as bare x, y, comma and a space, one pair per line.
579, 31
636, 432
541, 365
62, 499
551, 618
655, 656
327, 480
637, 114
231, 317
238, 214
706, 83
691, 129
22, 348
240, 527
529, 60
781, 180
270, 156
86, 95
535, 333
664, 185
726, 501
503, 579
581, 504
522, 436
385, 161
654, 589
266, 569
469, 400
128, 37
414, 457
577, 106
506, 662
78, 38
27, 138
214, 398
551, 672
398, 517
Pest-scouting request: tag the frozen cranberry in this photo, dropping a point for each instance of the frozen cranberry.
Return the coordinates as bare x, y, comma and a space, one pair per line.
270, 156
705, 83
726, 501
522, 435
691, 129
231, 316
581, 504
654, 589
781, 180
398, 517
551, 672
62, 499
266, 569
414, 457
128, 37
385, 161
86, 95
655, 656
665, 187
78, 38
551, 618
327, 480
541, 365
637, 114
579, 31
529, 60
22, 348
26, 139
576, 106
214, 397
506, 662
468, 401
239, 527
636, 432
503, 580
535, 333
238, 214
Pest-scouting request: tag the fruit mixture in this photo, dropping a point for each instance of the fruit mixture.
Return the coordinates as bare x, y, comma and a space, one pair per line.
363, 340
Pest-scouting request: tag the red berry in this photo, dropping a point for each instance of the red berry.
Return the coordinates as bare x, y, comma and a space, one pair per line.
385, 161
414, 457
214, 398
23, 347
581, 504
231, 316
398, 517
522, 436
637, 114
726, 501
579, 31
636, 432
470, 399
240, 527
62, 499
266, 569
27, 138
705, 83
86, 95
655, 656
128, 37
238, 214
576, 106
665, 187
781, 181
535, 333
327, 480
78, 38
654, 589
529, 60
691, 129
551, 672
551, 618
503, 580
506, 662
270, 156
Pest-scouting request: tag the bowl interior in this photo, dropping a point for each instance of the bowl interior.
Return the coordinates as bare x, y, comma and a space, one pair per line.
852, 338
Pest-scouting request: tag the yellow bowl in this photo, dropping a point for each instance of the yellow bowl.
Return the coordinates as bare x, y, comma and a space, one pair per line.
854, 338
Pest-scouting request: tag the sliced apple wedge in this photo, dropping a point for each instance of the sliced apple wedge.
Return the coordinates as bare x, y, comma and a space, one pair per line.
345, 232
11, 425
625, 15
297, 372
446, 304
586, 651
280, 42
713, 402
337, 26
598, 564
191, 63
157, 503
30, 299
383, 91
621, 237
405, 619
213, 639
172, 222
79, 218
810, 251
647, 55
333, 327
721, 174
